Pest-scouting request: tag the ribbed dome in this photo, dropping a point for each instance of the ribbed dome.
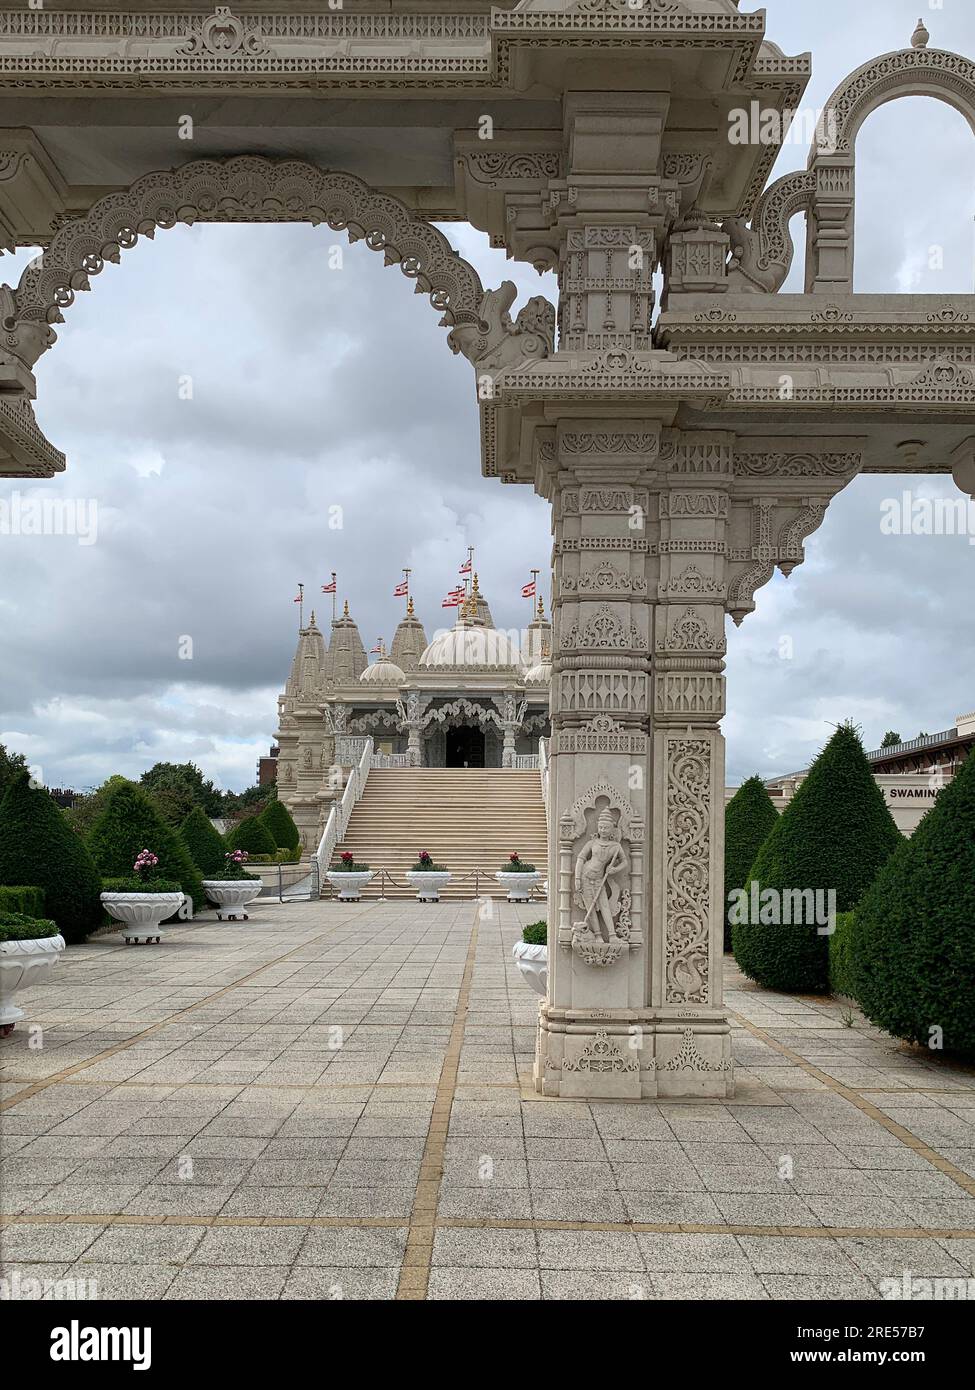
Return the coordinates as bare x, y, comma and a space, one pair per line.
541, 674
470, 644
383, 672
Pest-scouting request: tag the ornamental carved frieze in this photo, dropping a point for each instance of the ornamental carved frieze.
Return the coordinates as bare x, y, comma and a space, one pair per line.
695, 457
687, 896
604, 631
689, 631
615, 692
626, 443
692, 582
602, 1055
223, 35
804, 464
698, 694
606, 580
707, 505
493, 167
600, 735
600, 501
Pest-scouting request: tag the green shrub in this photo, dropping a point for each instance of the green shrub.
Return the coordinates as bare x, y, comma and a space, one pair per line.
22, 898
19, 926
749, 819
835, 835
129, 823
135, 884
840, 962
277, 820
536, 934
913, 940
253, 836
517, 865
204, 843
39, 849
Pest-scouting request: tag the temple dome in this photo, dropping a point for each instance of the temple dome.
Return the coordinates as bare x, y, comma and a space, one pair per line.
383, 672
470, 643
541, 673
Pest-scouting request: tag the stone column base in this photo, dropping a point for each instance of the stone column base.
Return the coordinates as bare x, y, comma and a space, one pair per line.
632, 1055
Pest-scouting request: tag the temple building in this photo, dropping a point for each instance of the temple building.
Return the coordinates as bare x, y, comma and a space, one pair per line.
472, 697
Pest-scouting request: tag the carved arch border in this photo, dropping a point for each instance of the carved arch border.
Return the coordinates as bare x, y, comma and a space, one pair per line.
573, 821
932, 72
247, 188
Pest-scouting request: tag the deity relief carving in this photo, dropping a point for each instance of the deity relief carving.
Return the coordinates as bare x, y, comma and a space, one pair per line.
600, 935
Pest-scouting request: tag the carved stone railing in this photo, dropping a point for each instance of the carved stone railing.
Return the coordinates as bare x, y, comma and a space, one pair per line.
543, 770
348, 748
524, 761
341, 812
392, 760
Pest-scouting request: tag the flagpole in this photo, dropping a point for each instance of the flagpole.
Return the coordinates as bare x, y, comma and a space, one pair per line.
334, 586
534, 575
301, 606
407, 573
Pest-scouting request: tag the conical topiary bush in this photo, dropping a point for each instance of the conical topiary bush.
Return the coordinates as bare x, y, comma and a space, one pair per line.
253, 836
748, 821
276, 818
129, 823
912, 940
39, 848
204, 842
834, 837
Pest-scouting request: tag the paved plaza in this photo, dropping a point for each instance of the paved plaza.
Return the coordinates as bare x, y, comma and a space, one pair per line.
335, 1102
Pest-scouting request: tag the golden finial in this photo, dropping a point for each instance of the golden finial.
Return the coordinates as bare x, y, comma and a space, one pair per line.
475, 588
541, 608
409, 608
546, 652
345, 610
312, 618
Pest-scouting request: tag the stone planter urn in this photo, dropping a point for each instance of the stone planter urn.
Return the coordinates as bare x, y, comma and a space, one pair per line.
428, 883
141, 913
349, 884
232, 895
24, 964
532, 961
518, 886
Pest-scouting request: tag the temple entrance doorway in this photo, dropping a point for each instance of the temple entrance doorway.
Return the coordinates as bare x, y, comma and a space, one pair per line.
464, 747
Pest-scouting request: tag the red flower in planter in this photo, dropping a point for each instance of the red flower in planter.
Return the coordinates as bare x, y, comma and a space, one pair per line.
347, 858
513, 858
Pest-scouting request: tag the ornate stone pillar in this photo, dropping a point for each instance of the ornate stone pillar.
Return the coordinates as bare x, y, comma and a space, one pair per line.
411, 714
512, 713
637, 772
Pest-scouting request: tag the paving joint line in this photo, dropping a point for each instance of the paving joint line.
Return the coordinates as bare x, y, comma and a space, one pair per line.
414, 1277
866, 1107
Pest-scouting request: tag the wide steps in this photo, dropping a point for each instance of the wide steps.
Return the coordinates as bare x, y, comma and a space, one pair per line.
466, 818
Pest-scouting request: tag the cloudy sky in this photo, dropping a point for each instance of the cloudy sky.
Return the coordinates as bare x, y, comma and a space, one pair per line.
316, 389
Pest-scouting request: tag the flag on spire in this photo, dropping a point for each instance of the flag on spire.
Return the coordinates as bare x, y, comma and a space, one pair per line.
466, 566
455, 597
329, 588
528, 590
402, 589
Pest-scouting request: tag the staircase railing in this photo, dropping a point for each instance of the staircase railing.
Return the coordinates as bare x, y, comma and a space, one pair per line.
341, 812
543, 769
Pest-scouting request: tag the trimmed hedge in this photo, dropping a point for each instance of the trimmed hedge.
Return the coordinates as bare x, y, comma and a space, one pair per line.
19, 926
536, 934
278, 821
22, 898
130, 823
748, 821
835, 834
204, 843
840, 962
253, 836
38, 848
913, 940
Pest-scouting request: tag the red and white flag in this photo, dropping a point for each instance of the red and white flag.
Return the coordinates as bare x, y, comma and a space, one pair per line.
297, 598
528, 590
402, 589
329, 588
465, 567
454, 598
373, 651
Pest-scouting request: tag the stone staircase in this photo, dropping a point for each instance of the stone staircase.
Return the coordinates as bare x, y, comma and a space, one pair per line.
470, 818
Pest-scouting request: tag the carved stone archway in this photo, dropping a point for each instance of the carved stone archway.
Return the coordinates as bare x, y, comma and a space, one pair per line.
826, 189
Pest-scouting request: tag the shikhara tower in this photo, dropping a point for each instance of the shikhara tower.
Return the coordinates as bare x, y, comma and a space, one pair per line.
685, 454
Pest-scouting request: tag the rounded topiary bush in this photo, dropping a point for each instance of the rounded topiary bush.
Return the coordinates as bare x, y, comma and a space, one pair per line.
204, 842
748, 821
831, 840
129, 822
38, 848
278, 821
912, 944
253, 836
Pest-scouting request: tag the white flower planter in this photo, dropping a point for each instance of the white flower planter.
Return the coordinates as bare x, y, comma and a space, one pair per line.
24, 964
532, 961
518, 886
428, 883
232, 895
350, 885
141, 913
